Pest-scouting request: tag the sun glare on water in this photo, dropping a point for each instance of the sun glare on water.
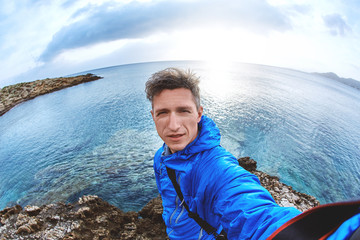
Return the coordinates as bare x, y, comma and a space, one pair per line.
217, 78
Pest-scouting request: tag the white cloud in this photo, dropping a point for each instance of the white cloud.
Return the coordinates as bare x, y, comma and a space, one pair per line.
27, 27
110, 22
337, 25
79, 35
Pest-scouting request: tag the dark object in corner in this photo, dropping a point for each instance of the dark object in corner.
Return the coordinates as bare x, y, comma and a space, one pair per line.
317, 223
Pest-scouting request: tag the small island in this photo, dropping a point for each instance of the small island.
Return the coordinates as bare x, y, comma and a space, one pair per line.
12, 95
93, 218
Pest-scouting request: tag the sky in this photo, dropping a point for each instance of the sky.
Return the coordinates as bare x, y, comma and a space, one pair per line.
41, 39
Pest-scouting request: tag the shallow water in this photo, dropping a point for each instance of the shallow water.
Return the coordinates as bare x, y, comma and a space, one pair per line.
98, 137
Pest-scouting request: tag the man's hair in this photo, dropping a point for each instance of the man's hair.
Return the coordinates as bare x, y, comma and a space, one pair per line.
173, 78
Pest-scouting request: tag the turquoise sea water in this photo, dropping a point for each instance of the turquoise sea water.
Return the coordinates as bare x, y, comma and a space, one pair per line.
98, 137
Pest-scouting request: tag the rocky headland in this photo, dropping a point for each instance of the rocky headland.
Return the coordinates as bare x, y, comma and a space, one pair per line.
92, 218
348, 81
12, 95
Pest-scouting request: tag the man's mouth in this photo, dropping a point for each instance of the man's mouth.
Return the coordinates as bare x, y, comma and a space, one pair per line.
175, 137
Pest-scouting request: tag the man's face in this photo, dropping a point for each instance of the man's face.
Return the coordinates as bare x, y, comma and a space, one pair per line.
176, 117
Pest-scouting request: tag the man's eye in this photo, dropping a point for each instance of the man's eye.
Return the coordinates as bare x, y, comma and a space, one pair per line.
160, 113
185, 111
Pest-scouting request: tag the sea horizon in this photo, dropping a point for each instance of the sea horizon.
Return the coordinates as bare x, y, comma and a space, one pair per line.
299, 126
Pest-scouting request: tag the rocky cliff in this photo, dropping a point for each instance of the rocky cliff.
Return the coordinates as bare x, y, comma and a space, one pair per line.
93, 218
12, 95
283, 194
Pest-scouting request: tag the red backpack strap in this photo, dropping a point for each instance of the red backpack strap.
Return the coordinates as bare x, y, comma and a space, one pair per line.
318, 222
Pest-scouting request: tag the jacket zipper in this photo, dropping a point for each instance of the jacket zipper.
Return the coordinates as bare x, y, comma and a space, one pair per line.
176, 203
177, 206
182, 211
200, 234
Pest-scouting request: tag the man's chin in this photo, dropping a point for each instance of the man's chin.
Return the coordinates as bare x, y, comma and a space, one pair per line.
175, 148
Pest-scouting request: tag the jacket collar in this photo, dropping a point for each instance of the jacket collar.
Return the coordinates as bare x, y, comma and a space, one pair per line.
208, 137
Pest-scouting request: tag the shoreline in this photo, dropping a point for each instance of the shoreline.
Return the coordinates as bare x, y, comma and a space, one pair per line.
283, 194
93, 218
12, 95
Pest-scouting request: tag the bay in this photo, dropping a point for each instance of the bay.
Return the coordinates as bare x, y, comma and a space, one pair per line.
99, 138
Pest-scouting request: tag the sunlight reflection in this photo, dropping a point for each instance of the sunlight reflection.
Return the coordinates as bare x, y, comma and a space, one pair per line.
217, 79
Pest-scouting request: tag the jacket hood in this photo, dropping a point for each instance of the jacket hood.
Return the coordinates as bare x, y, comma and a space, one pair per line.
208, 138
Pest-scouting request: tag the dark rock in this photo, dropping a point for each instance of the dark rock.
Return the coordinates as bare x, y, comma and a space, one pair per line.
248, 163
89, 218
32, 210
7, 212
283, 194
153, 210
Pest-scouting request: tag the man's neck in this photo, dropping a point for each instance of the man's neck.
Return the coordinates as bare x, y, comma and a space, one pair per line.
167, 151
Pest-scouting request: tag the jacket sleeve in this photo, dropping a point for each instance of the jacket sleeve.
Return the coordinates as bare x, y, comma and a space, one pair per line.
235, 197
347, 229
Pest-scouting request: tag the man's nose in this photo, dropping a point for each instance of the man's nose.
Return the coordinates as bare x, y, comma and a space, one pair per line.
174, 122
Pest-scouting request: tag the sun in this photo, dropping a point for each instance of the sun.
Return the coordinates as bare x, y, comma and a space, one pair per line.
214, 44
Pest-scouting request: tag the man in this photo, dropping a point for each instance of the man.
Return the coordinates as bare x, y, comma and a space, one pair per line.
212, 183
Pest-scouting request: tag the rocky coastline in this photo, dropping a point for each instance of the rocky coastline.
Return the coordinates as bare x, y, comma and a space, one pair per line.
92, 218
284, 195
12, 95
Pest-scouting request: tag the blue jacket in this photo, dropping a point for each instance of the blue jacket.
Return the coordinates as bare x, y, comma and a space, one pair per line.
347, 228
218, 189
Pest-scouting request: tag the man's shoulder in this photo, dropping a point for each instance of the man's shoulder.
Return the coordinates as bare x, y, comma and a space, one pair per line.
217, 153
215, 158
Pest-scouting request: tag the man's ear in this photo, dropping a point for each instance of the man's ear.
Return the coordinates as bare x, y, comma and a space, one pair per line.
152, 114
200, 112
